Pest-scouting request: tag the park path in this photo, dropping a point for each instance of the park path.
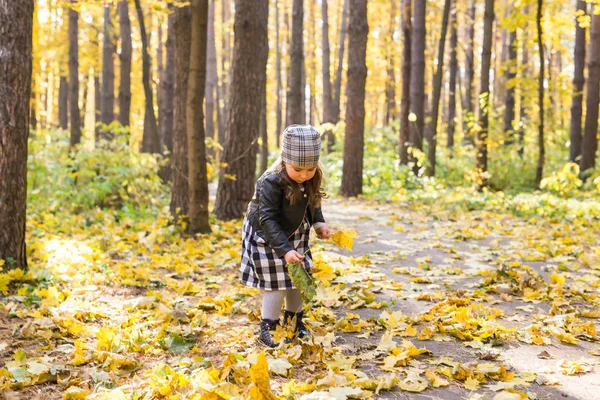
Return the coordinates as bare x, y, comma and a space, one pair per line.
448, 252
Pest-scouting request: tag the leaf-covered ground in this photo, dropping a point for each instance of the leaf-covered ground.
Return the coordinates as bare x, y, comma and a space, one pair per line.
429, 303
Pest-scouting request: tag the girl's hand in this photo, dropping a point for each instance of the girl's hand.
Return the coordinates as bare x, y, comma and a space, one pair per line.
323, 232
293, 256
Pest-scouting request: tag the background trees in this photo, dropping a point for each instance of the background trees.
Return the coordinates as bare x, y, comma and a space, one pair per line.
94, 74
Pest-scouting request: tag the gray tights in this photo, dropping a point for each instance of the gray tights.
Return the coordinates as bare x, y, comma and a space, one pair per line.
273, 300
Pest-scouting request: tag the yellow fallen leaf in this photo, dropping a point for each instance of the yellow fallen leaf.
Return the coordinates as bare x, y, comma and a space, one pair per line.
435, 380
511, 394
414, 386
75, 393
259, 373
471, 384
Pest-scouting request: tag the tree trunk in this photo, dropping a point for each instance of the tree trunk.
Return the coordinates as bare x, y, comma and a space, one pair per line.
150, 141
417, 79
179, 161
294, 99
469, 112
211, 77
107, 108
63, 103
390, 84
225, 66
161, 81
352, 171
125, 74
16, 22
327, 99
340, 67
248, 78
84, 98
452, 80
437, 90
524, 73
406, 62
312, 56
278, 123
168, 87
484, 89
74, 76
578, 82
539, 172
198, 183
262, 128
510, 74
97, 101
590, 140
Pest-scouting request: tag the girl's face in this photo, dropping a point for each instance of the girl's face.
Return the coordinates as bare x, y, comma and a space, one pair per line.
300, 174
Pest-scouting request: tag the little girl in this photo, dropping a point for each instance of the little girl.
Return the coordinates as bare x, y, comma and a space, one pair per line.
286, 203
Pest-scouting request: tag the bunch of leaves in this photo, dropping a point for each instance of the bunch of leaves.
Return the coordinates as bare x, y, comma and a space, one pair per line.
344, 239
302, 280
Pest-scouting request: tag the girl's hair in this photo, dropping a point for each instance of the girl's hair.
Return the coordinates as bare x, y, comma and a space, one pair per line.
313, 188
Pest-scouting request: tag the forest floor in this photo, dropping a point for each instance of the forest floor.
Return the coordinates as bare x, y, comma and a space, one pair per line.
429, 304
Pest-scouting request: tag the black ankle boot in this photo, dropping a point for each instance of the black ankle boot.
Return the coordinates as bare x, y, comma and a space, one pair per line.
300, 328
266, 327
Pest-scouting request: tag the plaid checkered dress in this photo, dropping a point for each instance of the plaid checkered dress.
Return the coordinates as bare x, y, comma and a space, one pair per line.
261, 268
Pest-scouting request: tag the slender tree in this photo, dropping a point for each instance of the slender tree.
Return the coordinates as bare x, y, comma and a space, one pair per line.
262, 129
469, 110
452, 80
16, 27
578, 82
539, 171
97, 101
294, 99
212, 80
248, 78
340, 67
160, 72
509, 75
74, 76
278, 111
406, 63
179, 162
198, 182
589, 143
523, 117
125, 65
437, 90
107, 107
150, 140
168, 88
63, 102
327, 95
358, 31
390, 83
509, 99
417, 78
484, 88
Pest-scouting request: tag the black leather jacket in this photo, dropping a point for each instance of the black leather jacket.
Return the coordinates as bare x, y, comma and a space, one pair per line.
273, 217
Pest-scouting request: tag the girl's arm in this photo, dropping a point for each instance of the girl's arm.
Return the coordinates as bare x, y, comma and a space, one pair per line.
270, 197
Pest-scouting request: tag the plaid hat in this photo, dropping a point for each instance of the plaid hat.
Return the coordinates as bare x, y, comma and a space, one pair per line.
301, 146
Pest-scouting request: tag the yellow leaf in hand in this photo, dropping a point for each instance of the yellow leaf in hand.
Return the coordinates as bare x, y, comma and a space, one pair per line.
344, 239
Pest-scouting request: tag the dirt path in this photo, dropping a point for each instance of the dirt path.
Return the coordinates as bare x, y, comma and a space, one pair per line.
451, 253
